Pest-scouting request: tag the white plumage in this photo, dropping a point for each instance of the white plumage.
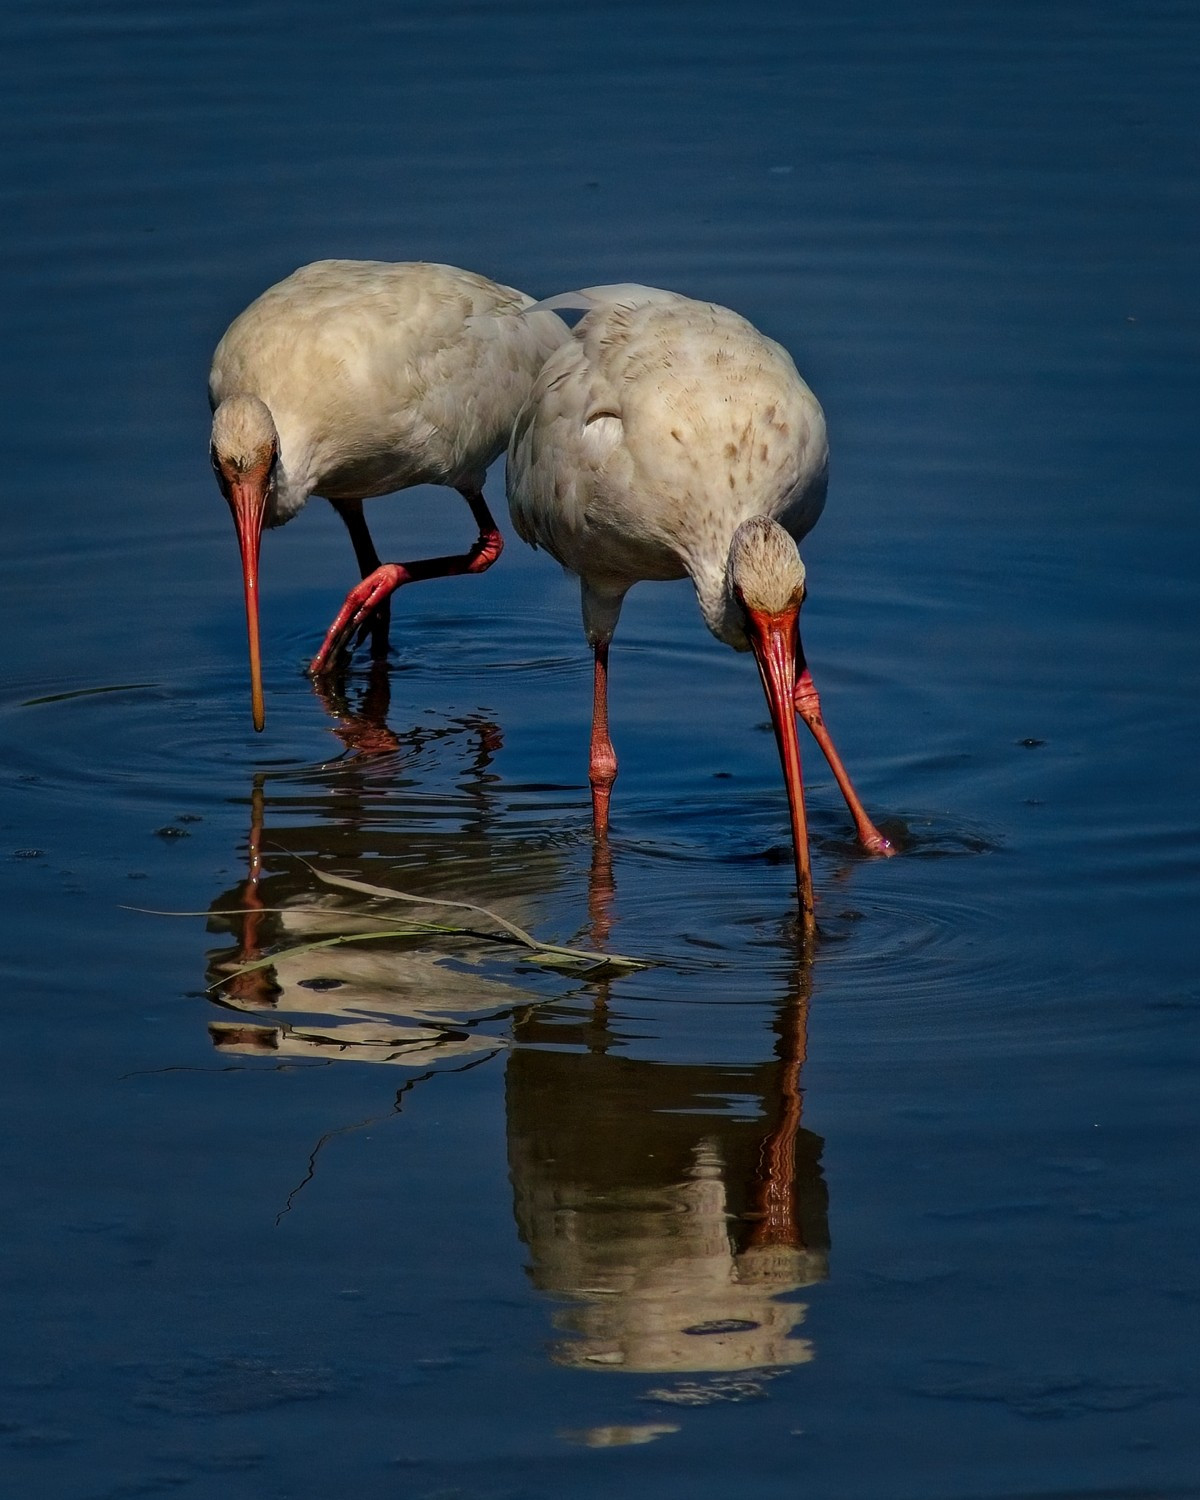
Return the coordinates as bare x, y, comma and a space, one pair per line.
670, 438
351, 379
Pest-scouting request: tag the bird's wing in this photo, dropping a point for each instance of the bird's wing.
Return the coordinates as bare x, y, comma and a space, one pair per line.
565, 435
577, 483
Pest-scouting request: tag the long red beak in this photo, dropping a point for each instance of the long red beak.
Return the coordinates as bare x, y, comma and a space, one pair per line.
247, 501
774, 639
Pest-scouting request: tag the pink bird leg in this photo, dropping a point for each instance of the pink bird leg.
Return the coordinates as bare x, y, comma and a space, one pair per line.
602, 760
808, 706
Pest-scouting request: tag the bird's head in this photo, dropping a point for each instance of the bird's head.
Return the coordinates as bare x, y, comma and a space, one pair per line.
245, 443
245, 456
764, 573
765, 579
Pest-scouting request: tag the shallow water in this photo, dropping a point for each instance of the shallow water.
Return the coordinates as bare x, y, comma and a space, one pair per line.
914, 1219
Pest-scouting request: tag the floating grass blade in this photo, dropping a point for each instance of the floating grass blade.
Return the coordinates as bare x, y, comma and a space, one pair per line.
541, 952
582, 961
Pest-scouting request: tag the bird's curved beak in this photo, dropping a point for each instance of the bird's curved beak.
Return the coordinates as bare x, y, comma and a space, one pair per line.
247, 497
775, 639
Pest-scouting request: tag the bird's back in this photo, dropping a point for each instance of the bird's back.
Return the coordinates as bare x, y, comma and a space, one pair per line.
380, 375
659, 427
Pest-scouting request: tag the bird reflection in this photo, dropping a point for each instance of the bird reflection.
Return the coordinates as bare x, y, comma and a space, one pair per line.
672, 1209
373, 816
670, 1205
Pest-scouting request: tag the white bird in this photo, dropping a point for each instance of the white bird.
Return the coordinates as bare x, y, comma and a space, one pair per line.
351, 379
669, 438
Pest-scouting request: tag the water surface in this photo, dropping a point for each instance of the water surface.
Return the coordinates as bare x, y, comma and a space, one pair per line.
913, 1219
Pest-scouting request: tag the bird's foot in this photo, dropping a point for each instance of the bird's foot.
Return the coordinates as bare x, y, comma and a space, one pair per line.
875, 842
361, 602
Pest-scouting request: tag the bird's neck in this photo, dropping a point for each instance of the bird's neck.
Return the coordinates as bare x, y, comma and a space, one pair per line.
291, 488
721, 611
288, 499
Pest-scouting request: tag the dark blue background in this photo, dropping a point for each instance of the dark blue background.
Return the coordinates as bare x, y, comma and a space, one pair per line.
976, 229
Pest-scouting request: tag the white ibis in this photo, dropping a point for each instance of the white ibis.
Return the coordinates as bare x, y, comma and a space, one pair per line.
351, 379
669, 438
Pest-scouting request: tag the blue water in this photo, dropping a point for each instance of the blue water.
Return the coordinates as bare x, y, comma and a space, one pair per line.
915, 1219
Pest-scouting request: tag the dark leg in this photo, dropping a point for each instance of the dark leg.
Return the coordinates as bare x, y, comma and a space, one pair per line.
351, 512
602, 764
808, 706
384, 580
